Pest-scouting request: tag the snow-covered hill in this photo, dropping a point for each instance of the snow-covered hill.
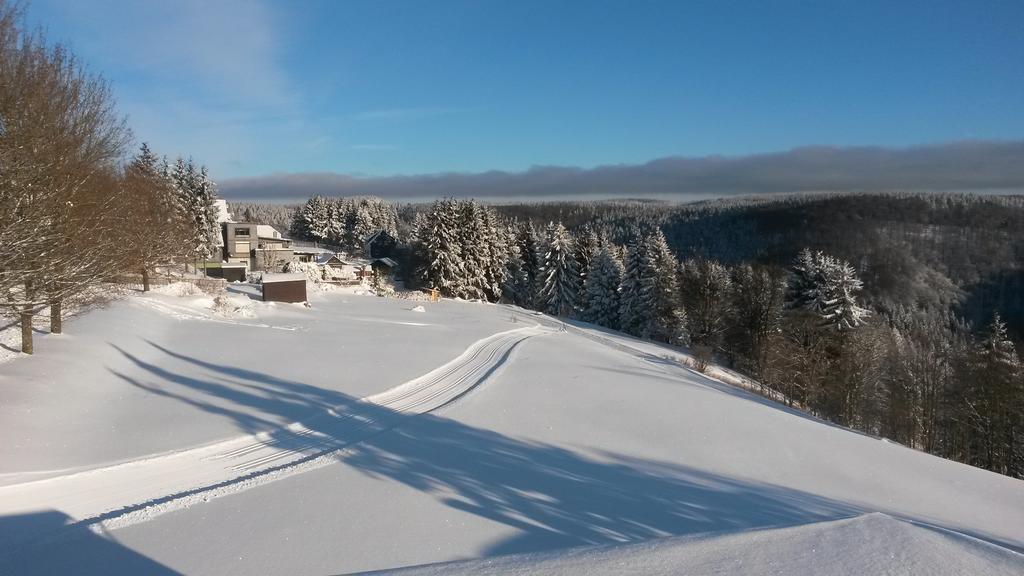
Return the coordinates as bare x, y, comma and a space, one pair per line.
361, 435
868, 544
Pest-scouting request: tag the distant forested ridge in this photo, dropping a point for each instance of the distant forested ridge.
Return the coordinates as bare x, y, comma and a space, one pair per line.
901, 315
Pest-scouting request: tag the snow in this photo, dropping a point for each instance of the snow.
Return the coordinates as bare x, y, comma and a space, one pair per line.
868, 544
285, 277
135, 378
221, 208
344, 437
267, 231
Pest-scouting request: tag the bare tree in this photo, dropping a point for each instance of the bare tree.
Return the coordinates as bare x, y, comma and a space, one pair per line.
59, 139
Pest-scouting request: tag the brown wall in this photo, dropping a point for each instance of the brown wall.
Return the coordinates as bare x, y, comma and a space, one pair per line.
289, 291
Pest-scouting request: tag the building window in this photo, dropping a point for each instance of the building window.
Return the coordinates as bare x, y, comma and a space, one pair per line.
242, 232
241, 247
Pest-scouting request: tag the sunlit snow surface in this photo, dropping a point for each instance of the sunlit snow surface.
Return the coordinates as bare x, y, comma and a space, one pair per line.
552, 438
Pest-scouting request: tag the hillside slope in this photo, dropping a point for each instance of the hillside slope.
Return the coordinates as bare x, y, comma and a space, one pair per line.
570, 438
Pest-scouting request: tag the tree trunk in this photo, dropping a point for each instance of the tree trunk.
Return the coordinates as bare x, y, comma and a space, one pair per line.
56, 322
145, 279
26, 319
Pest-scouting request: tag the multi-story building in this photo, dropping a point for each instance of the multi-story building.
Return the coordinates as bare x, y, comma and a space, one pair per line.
257, 246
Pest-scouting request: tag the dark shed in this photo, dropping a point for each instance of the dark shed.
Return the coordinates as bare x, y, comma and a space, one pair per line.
284, 287
233, 272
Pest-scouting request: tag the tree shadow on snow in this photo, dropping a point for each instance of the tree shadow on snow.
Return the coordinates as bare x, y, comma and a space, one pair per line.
553, 496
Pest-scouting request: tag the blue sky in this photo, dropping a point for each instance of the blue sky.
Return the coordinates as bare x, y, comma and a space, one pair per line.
381, 88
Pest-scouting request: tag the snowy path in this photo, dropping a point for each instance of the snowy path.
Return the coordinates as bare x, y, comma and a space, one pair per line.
126, 493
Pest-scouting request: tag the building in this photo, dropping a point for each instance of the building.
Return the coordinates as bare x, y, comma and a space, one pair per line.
384, 268
257, 246
380, 244
284, 287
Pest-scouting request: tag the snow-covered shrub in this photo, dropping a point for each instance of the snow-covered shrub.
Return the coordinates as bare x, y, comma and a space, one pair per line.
312, 272
227, 306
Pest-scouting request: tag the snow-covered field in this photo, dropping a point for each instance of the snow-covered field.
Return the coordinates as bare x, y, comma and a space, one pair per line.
165, 433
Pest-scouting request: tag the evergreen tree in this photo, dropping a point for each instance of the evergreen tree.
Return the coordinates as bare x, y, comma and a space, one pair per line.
659, 278
828, 287
313, 220
603, 283
496, 243
634, 309
587, 243
802, 287
529, 251
996, 404
204, 212
445, 269
475, 252
518, 286
560, 273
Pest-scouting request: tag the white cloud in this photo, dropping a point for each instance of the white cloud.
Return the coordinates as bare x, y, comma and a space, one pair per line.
198, 78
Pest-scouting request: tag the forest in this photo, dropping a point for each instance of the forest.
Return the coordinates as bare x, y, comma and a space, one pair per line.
899, 315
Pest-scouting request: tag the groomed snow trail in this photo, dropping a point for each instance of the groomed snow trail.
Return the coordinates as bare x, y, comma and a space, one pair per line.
130, 492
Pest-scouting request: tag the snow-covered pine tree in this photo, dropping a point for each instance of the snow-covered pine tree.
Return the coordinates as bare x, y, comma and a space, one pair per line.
659, 277
316, 219
475, 252
801, 289
206, 214
498, 247
445, 270
516, 287
529, 251
419, 236
997, 350
561, 273
335, 221
363, 224
587, 243
996, 400
603, 283
839, 309
828, 287
634, 309
178, 176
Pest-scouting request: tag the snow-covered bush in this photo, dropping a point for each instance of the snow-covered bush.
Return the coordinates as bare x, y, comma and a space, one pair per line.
227, 306
312, 272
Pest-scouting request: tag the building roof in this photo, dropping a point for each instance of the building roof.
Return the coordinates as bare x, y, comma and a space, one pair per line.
386, 262
374, 236
268, 232
326, 258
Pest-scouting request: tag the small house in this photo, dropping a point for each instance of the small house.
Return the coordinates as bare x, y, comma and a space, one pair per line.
284, 287
332, 267
380, 244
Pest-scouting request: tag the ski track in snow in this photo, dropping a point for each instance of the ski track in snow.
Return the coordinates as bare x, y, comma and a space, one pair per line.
130, 492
